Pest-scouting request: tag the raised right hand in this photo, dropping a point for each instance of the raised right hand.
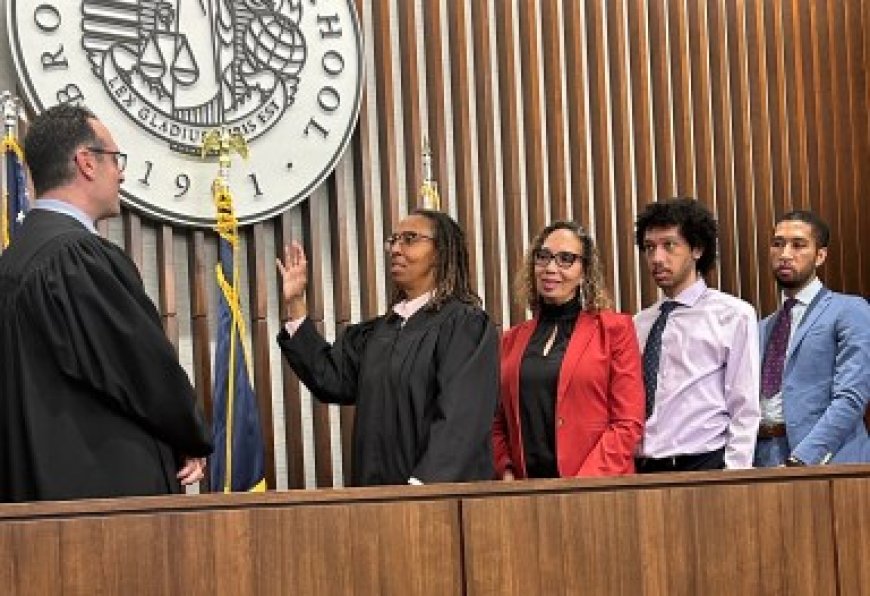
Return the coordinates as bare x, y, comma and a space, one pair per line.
294, 273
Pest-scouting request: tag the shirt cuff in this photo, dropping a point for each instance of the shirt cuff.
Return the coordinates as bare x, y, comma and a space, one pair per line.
415, 481
292, 326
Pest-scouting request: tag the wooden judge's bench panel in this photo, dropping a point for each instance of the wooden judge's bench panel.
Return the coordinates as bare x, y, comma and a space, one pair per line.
756, 532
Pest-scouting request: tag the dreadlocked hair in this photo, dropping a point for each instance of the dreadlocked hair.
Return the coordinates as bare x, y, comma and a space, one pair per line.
592, 291
452, 278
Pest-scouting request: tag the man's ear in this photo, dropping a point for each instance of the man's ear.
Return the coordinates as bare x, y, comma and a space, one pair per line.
821, 255
86, 164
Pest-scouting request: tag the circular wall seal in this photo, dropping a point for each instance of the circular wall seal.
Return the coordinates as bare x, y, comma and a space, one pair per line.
286, 75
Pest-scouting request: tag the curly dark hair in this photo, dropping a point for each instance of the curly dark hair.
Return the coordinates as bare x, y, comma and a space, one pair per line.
694, 221
452, 277
821, 231
595, 296
51, 142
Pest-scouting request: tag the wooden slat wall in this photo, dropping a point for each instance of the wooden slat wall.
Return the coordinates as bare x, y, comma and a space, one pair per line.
537, 109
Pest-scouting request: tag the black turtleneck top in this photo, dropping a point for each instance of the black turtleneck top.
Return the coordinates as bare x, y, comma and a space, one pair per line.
539, 380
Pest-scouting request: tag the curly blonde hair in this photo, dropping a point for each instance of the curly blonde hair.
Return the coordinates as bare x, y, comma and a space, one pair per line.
592, 292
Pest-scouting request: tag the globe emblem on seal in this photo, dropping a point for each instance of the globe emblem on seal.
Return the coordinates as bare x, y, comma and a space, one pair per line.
276, 43
285, 75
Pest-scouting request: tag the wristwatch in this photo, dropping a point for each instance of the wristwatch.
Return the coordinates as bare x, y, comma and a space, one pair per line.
794, 461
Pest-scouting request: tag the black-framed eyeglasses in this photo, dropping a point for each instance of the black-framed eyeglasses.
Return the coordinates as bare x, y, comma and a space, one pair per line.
404, 239
119, 156
564, 259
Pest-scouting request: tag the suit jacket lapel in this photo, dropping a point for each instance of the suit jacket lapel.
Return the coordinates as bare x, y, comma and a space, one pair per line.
583, 332
814, 310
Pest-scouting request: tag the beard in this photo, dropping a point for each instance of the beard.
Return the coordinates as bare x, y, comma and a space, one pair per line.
798, 280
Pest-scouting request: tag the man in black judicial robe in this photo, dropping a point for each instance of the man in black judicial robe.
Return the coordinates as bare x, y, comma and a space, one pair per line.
93, 402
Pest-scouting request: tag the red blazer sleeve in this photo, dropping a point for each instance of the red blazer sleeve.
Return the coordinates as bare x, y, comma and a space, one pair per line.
501, 449
613, 454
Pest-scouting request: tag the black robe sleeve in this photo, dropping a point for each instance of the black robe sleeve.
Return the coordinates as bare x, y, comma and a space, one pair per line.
467, 378
330, 372
104, 331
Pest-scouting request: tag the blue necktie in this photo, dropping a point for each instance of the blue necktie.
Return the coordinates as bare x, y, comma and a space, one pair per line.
652, 352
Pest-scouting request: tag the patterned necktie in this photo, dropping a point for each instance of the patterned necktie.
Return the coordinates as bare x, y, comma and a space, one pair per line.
652, 352
774, 355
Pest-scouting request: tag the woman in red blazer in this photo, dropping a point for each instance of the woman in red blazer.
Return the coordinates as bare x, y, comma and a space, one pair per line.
572, 397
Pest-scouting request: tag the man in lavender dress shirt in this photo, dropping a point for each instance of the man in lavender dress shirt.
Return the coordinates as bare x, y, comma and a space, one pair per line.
701, 366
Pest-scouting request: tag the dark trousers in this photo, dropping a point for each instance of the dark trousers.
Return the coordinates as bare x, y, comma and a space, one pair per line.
713, 460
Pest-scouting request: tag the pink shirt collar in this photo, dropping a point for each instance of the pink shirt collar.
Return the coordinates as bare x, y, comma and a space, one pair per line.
407, 308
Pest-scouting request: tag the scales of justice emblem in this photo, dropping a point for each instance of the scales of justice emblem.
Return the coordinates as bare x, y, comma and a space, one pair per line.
238, 68
284, 75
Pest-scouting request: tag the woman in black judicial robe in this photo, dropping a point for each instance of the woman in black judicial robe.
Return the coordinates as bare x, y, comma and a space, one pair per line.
425, 381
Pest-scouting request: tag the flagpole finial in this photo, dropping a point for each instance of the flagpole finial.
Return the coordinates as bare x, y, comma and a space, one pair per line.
427, 161
223, 143
11, 110
429, 198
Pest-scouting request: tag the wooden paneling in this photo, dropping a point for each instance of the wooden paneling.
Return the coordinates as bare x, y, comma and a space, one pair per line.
339, 221
314, 225
773, 531
199, 327
690, 540
584, 108
556, 106
741, 129
533, 139
624, 187
435, 37
412, 94
487, 141
259, 266
461, 88
761, 87
577, 89
363, 548
723, 143
851, 505
166, 304
293, 440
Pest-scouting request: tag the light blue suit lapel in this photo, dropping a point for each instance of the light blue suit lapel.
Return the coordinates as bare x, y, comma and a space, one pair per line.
814, 311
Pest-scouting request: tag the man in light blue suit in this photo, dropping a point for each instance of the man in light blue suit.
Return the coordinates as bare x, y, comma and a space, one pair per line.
815, 373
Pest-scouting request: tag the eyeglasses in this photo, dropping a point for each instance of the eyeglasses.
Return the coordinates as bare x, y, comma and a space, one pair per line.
119, 156
564, 259
404, 239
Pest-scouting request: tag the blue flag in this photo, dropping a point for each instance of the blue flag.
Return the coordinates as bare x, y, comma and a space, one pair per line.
15, 202
237, 463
